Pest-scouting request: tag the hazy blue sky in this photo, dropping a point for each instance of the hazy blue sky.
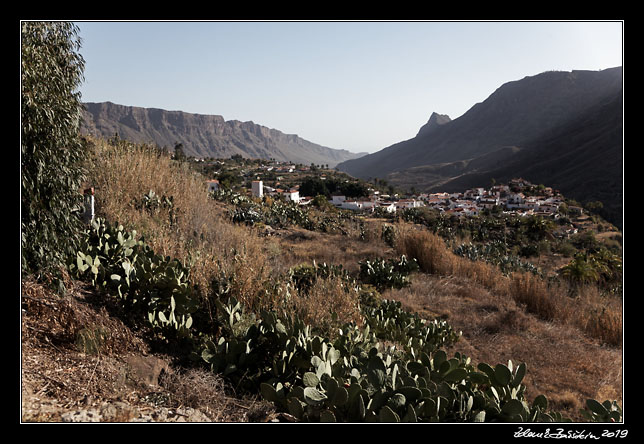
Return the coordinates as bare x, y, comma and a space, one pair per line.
360, 86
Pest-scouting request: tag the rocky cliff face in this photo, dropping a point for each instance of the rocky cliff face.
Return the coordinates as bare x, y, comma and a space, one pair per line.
205, 135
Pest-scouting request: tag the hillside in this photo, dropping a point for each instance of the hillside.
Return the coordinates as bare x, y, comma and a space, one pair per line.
550, 117
205, 135
583, 159
90, 355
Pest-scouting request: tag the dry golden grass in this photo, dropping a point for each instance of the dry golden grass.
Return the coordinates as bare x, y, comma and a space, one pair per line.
199, 235
428, 249
596, 315
328, 304
563, 364
297, 245
214, 248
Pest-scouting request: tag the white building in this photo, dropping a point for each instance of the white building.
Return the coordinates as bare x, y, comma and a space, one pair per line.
408, 203
257, 188
473, 193
367, 204
292, 195
515, 200
350, 205
389, 207
489, 202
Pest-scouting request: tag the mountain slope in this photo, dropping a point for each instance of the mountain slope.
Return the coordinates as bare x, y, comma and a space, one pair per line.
563, 129
514, 114
204, 135
583, 159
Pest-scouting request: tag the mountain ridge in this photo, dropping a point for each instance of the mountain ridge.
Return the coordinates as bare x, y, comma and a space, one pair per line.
496, 122
204, 135
523, 123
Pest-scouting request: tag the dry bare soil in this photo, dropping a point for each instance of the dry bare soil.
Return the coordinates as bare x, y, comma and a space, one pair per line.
81, 364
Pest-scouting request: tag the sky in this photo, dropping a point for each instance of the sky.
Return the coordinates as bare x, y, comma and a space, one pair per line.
354, 85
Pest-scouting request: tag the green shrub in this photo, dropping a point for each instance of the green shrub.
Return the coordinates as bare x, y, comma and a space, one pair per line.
495, 252
304, 276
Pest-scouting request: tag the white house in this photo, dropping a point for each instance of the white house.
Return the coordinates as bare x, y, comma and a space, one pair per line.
257, 188
473, 193
489, 202
548, 207
367, 204
531, 203
350, 205
389, 207
471, 210
515, 200
357, 205
408, 203
292, 195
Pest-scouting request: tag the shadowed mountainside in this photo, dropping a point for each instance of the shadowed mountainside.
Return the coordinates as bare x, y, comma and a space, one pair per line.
559, 128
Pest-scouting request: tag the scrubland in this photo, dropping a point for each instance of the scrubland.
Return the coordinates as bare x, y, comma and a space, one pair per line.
570, 339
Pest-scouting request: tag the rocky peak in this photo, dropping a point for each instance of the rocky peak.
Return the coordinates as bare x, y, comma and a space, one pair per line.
435, 120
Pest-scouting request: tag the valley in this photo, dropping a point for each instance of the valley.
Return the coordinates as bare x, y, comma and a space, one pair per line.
179, 267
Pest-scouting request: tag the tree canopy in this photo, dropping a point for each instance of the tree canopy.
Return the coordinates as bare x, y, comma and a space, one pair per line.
314, 186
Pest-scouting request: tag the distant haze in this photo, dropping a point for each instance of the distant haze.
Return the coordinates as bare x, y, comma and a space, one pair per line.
359, 86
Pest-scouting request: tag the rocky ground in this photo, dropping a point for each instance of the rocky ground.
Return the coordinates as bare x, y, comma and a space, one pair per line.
81, 364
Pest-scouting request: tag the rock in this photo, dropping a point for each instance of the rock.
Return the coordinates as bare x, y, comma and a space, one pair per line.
81, 416
146, 369
182, 414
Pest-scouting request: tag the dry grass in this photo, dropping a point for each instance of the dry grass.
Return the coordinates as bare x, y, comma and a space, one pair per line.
596, 315
297, 245
564, 365
428, 249
327, 304
199, 235
203, 390
214, 248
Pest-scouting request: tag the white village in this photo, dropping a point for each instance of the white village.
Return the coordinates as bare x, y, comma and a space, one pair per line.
511, 198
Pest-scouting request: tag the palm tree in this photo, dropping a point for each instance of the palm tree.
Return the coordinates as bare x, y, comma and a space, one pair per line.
580, 271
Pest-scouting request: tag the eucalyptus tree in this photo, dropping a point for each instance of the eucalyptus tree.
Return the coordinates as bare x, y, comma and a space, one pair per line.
52, 151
